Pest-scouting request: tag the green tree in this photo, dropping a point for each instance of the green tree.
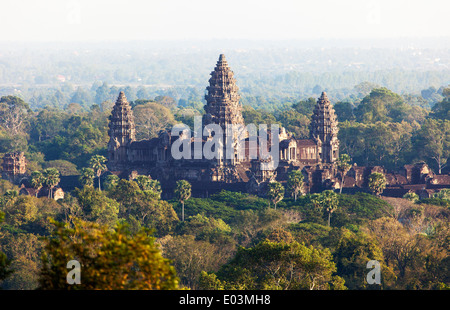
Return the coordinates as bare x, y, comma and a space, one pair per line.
191, 256
432, 142
381, 105
5, 263
111, 181
353, 251
97, 163
275, 192
143, 208
272, 265
51, 179
295, 183
147, 184
13, 114
151, 118
182, 193
37, 180
87, 177
441, 110
344, 111
377, 183
343, 165
328, 201
411, 196
443, 194
97, 207
109, 259
63, 166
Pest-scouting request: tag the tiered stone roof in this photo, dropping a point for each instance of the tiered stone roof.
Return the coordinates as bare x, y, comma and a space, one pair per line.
121, 125
222, 100
324, 122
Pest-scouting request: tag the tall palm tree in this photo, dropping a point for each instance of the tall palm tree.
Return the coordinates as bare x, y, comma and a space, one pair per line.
97, 163
328, 201
37, 181
182, 193
343, 165
51, 179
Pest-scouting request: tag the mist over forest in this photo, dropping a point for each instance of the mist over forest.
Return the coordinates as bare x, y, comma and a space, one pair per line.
270, 74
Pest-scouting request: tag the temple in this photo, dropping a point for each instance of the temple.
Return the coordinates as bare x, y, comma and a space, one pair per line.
238, 168
14, 166
153, 157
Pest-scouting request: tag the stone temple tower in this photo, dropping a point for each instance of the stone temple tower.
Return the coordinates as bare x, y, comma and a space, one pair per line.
121, 132
222, 99
324, 130
223, 108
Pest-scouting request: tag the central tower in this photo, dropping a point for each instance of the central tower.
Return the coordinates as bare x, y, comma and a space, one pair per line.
121, 133
222, 98
324, 130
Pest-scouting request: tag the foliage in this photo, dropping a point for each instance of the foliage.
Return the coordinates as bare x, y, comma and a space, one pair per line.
147, 184
377, 183
191, 256
411, 196
5, 263
343, 165
271, 265
275, 192
182, 193
110, 259
444, 193
51, 179
432, 142
295, 183
327, 201
37, 180
97, 163
352, 253
87, 177
97, 207
143, 208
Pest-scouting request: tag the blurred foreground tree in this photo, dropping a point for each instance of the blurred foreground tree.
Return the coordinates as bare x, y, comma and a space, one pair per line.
109, 259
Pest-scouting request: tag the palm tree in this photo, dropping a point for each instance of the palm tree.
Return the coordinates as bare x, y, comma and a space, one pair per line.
182, 193
37, 181
51, 179
275, 192
97, 163
87, 176
295, 183
328, 201
343, 166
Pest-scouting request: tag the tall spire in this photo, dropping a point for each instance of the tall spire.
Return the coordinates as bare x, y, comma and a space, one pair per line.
121, 129
324, 128
222, 100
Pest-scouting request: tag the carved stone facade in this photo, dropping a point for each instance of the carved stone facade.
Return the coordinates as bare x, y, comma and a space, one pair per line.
324, 129
222, 100
315, 156
14, 166
153, 157
121, 132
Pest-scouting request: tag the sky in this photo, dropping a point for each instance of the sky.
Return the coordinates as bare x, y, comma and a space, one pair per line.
121, 20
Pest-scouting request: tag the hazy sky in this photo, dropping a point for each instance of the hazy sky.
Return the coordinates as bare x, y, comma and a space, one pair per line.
118, 20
